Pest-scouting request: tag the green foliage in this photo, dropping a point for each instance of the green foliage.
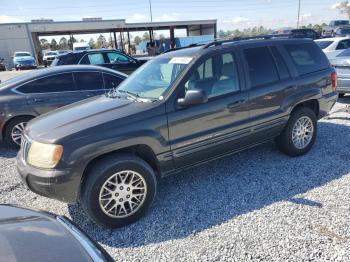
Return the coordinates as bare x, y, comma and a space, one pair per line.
137, 40
101, 42
53, 44
63, 43
145, 36
344, 8
92, 43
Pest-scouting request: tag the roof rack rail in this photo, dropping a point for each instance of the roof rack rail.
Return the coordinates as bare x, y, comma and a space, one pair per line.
235, 39
184, 47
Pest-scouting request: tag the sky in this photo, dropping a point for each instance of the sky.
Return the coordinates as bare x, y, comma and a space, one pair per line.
231, 14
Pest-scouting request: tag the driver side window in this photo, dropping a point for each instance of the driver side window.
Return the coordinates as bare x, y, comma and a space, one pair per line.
116, 58
215, 76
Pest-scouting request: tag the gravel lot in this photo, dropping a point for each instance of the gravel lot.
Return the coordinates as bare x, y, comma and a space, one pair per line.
258, 205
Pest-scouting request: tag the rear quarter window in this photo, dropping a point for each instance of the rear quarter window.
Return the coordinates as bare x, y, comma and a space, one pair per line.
307, 58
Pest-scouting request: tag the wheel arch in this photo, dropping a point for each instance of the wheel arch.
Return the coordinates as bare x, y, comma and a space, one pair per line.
312, 104
11, 120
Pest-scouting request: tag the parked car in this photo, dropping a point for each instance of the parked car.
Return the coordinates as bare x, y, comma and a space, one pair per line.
329, 31
2, 65
80, 46
180, 109
110, 58
29, 95
28, 235
49, 57
342, 65
342, 32
304, 33
333, 46
24, 60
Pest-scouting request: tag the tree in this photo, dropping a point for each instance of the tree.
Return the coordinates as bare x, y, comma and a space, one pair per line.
343, 7
92, 43
44, 44
53, 45
145, 36
63, 43
137, 40
101, 42
82, 41
71, 41
161, 37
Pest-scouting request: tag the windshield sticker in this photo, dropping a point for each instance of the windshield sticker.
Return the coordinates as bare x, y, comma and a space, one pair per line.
180, 60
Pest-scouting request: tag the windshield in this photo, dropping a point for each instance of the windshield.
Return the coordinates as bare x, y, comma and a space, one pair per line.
346, 52
324, 44
22, 54
153, 79
344, 22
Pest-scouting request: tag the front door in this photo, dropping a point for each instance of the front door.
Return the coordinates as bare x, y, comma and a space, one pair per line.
120, 62
202, 131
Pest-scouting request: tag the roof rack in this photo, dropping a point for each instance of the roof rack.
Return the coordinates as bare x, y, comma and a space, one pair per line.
235, 39
184, 47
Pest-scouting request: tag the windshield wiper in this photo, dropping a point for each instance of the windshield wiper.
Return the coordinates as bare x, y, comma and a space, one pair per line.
133, 95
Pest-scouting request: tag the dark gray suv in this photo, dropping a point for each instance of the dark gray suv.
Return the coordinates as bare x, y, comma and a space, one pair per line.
180, 109
38, 92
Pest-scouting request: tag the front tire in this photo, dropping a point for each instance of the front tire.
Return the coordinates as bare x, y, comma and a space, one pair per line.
118, 190
14, 130
299, 134
340, 95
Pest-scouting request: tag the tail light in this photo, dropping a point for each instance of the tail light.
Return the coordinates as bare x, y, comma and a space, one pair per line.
334, 81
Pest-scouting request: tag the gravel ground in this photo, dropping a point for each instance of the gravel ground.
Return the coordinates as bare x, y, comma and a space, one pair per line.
258, 205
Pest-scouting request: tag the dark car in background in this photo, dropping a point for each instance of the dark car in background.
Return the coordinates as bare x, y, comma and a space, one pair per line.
27, 235
35, 93
304, 33
342, 65
182, 108
110, 58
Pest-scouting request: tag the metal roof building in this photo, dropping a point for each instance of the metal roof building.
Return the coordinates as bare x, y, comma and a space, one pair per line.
25, 36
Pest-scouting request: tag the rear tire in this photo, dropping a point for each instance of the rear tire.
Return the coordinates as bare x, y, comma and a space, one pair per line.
14, 129
299, 134
118, 190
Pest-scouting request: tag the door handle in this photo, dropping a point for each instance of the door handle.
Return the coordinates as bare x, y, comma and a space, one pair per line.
236, 103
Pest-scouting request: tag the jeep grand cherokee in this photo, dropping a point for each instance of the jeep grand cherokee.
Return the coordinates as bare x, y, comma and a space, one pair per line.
182, 108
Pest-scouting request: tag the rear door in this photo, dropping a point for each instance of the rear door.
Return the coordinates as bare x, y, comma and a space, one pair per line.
269, 80
120, 62
51, 92
341, 46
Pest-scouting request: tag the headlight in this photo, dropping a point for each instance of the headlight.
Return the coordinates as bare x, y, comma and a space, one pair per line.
44, 155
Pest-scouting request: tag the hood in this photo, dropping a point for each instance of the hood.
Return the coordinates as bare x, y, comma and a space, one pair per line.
27, 235
23, 58
84, 115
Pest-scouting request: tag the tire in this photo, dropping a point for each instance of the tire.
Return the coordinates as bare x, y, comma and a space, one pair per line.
10, 128
94, 197
340, 95
285, 140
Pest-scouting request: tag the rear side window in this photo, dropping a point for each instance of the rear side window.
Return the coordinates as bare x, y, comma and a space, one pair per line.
307, 58
69, 59
93, 59
262, 68
324, 44
111, 81
88, 80
116, 58
281, 65
50, 84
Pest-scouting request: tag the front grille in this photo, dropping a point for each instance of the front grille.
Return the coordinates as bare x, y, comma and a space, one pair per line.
25, 145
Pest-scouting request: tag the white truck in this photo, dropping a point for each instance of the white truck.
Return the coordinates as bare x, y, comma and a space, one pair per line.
329, 31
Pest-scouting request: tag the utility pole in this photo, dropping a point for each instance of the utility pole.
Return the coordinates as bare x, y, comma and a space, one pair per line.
298, 14
150, 9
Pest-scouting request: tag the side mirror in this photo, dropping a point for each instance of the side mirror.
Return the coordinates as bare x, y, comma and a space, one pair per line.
193, 97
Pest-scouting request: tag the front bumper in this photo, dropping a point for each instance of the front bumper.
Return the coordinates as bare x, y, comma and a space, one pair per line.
62, 185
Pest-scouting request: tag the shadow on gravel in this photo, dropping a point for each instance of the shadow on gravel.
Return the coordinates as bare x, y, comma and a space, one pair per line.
212, 194
6, 152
